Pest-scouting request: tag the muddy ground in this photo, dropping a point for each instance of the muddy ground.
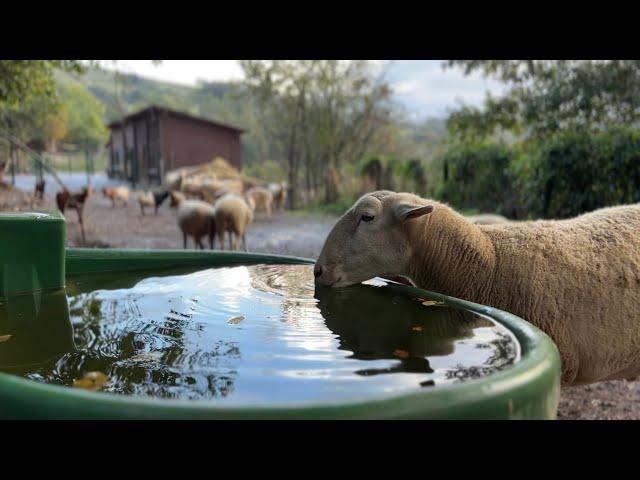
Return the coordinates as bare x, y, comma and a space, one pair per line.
301, 235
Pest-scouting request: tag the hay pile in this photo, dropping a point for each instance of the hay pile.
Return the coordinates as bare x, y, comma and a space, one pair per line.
217, 174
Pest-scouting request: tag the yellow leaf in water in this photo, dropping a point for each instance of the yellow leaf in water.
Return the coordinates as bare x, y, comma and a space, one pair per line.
432, 303
235, 320
4, 338
91, 381
416, 329
401, 353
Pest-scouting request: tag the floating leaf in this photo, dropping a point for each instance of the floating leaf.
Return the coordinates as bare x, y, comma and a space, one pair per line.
417, 328
91, 381
401, 353
235, 320
433, 303
4, 338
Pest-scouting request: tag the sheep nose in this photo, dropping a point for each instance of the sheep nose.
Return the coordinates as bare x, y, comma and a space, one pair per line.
317, 271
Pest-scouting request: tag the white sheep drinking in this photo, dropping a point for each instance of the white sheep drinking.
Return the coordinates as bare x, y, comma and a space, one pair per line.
578, 280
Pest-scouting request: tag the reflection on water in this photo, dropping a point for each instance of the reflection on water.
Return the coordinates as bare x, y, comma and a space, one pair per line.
259, 334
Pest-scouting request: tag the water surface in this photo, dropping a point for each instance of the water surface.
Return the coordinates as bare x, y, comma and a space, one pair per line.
251, 335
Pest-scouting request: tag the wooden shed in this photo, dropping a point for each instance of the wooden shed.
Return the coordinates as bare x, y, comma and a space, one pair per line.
145, 145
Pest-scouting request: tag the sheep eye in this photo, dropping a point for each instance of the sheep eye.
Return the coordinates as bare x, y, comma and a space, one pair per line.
366, 218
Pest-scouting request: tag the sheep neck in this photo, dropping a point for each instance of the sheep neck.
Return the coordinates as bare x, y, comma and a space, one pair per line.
451, 256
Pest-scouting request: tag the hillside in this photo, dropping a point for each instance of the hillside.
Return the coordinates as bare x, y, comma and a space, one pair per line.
222, 101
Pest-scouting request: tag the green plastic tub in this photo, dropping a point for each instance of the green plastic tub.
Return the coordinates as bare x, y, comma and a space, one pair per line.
529, 389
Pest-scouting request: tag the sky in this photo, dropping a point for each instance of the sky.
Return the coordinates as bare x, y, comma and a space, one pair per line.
422, 86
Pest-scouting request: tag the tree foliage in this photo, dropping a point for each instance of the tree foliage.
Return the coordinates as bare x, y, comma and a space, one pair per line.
85, 117
24, 80
479, 177
575, 172
321, 114
546, 96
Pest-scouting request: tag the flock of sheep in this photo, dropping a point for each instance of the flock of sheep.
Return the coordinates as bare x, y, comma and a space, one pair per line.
208, 208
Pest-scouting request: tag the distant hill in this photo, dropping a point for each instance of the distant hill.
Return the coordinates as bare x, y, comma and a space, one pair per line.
137, 92
222, 101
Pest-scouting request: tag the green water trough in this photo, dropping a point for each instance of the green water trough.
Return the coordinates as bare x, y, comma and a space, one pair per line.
33, 259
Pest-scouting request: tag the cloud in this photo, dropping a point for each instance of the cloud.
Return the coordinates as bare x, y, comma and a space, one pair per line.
423, 87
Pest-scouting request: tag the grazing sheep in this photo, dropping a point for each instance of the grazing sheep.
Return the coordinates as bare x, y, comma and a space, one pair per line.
487, 219
152, 199
145, 199
117, 193
279, 192
262, 198
196, 219
233, 214
578, 279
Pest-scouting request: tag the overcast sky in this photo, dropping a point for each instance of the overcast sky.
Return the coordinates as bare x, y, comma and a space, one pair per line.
422, 86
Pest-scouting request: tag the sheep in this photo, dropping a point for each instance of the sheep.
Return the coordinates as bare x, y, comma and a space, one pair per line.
487, 219
279, 192
578, 280
152, 199
196, 219
233, 214
117, 193
262, 197
176, 198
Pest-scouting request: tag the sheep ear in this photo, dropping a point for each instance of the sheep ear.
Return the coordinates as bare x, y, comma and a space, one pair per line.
407, 211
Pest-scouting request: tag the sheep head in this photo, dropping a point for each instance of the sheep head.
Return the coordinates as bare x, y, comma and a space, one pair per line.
176, 198
370, 239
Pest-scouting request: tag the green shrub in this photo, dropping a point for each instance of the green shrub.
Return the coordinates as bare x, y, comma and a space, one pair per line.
478, 176
576, 172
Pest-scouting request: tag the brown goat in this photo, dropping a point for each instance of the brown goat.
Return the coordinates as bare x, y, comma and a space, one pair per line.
67, 200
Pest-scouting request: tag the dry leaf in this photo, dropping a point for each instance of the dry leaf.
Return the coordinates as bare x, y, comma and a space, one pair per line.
4, 338
235, 320
91, 381
401, 353
432, 303
416, 329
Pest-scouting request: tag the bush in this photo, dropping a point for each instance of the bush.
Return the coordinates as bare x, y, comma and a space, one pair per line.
478, 176
576, 172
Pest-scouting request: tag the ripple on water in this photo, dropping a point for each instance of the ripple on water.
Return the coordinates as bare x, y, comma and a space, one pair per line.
171, 336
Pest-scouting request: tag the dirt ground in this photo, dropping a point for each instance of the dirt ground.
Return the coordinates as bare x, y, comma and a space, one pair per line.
302, 235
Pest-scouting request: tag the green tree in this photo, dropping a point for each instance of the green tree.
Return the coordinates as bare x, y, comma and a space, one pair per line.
21, 80
85, 117
320, 115
546, 96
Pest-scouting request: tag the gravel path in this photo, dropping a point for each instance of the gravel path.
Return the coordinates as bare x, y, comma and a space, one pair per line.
303, 235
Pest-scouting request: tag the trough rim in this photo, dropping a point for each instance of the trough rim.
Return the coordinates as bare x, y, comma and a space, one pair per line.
528, 389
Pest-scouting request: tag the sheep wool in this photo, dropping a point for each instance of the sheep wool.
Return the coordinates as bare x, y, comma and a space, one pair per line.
578, 280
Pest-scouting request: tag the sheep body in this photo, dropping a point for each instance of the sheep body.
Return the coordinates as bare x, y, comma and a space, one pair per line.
578, 279
152, 198
262, 197
117, 193
487, 219
196, 219
233, 214
279, 192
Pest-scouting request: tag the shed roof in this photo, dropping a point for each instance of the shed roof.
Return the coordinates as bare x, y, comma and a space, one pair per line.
158, 109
